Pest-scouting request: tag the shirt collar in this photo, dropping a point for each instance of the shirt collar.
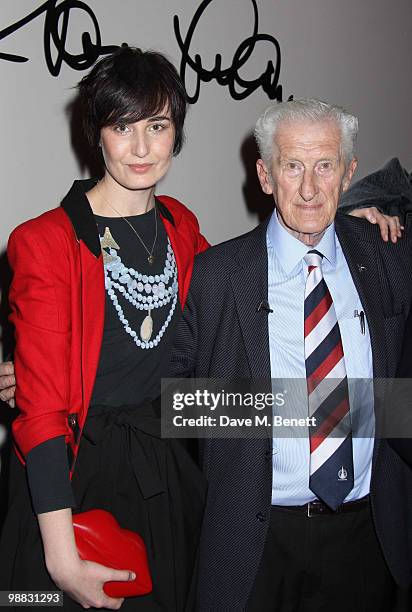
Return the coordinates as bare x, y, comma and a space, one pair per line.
290, 251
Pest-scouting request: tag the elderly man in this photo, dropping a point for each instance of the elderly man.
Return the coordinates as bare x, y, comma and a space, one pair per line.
322, 523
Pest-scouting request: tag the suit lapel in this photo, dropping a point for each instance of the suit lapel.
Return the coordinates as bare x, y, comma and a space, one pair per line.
250, 287
358, 245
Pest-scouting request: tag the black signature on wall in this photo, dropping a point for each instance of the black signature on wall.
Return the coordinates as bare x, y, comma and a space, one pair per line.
56, 25
239, 88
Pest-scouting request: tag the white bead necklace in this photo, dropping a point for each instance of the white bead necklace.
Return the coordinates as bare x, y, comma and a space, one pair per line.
142, 291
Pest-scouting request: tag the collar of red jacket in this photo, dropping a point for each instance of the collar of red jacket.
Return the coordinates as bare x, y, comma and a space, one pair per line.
78, 209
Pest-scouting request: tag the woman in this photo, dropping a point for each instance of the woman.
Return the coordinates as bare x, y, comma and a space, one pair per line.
98, 287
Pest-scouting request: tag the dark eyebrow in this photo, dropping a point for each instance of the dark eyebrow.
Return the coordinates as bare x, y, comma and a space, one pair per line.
159, 118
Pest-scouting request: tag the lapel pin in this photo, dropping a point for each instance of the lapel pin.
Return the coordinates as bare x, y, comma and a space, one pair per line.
264, 305
361, 268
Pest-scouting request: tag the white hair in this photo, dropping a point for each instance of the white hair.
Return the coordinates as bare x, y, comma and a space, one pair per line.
307, 109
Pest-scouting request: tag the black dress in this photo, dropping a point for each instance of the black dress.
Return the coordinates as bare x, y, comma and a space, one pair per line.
152, 485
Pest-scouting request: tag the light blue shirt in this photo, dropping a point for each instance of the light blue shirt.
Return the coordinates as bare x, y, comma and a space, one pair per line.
287, 273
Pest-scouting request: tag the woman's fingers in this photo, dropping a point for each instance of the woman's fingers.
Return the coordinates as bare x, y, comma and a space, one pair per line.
7, 382
120, 575
86, 586
390, 227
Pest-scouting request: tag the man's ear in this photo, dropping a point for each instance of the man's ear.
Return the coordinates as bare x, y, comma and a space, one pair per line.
349, 174
264, 177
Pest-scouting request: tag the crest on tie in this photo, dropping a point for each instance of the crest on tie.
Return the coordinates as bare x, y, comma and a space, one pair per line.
342, 474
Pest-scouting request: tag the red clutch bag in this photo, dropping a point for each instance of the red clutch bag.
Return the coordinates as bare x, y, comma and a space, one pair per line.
100, 538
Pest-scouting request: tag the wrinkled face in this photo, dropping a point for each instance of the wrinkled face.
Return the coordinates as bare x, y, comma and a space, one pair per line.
306, 177
137, 155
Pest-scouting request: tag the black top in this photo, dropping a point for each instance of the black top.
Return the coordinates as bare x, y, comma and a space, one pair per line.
127, 373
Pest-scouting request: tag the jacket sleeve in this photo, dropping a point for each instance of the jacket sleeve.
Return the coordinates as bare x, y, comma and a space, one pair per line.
40, 312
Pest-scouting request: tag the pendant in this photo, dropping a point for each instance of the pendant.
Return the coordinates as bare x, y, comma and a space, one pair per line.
146, 328
151, 259
108, 242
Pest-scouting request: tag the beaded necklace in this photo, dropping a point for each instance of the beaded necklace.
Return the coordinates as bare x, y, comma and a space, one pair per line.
144, 292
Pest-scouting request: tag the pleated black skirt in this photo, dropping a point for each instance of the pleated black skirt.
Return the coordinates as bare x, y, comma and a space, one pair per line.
151, 485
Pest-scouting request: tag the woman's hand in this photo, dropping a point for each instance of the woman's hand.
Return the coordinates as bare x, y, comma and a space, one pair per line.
82, 580
390, 227
7, 383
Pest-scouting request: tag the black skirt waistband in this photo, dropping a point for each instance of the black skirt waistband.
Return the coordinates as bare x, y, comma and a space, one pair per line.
114, 427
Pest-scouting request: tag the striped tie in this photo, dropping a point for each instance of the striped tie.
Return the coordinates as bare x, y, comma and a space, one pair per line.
331, 463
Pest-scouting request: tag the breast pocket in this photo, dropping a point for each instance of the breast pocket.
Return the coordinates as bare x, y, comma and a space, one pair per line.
356, 347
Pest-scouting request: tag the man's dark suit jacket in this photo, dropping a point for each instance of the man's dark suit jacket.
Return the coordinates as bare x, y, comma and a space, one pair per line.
222, 334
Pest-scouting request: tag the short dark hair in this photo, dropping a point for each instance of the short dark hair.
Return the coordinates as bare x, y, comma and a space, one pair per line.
130, 85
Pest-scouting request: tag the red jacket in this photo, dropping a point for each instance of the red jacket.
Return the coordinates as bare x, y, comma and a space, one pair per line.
57, 299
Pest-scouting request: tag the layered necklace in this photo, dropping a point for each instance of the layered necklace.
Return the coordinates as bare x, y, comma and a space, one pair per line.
144, 292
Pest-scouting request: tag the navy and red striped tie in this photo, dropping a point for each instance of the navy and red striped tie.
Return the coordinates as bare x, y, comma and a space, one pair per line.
331, 461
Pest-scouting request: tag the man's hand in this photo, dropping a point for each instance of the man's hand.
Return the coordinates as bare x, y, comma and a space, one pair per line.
390, 226
7, 383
